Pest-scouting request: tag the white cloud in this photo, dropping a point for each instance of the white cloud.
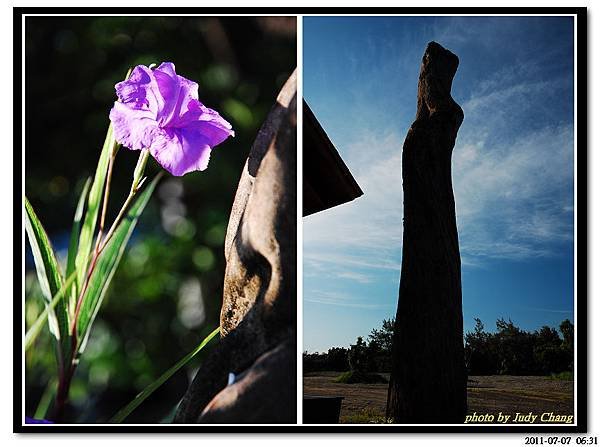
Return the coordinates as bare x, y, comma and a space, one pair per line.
371, 222
354, 276
344, 300
521, 180
318, 259
512, 166
512, 189
557, 311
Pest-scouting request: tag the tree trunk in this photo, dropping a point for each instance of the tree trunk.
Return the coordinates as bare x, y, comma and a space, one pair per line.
428, 380
258, 315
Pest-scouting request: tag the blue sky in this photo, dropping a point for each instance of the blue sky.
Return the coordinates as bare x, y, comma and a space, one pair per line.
512, 167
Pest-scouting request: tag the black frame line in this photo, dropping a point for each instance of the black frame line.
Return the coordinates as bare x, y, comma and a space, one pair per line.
582, 216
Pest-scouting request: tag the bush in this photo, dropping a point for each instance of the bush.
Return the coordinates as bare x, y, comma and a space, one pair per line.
336, 359
565, 375
359, 377
513, 351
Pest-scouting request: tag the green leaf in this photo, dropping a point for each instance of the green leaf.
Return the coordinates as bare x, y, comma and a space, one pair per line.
74, 243
127, 409
50, 279
45, 400
91, 215
36, 327
107, 264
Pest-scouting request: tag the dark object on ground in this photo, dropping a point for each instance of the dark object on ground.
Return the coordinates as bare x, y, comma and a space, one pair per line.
428, 382
359, 377
321, 409
326, 180
258, 316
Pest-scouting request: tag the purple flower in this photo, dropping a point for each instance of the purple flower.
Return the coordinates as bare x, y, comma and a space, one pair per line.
159, 110
29, 420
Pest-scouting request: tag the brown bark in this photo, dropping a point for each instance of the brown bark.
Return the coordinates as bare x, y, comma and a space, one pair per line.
428, 380
258, 315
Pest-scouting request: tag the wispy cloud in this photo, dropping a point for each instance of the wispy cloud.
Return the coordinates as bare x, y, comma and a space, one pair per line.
344, 300
512, 164
513, 189
355, 276
322, 259
557, 311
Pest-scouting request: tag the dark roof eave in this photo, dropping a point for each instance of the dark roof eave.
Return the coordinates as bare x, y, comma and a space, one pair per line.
327, 181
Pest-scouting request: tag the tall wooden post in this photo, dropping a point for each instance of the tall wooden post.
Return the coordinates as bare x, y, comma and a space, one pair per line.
428, 380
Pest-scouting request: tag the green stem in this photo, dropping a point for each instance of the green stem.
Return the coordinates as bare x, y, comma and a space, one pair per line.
101, 244
113, 227
111, 162
67, 372
45, 400
136, 184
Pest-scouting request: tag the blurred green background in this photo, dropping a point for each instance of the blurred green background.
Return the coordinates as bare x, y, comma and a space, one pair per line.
166, 295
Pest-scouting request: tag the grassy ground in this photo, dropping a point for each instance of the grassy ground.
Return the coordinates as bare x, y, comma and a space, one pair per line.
365, 403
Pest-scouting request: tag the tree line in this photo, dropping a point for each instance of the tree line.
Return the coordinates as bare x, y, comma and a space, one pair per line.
509, 350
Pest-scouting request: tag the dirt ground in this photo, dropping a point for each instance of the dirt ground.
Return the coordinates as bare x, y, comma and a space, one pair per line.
485, 394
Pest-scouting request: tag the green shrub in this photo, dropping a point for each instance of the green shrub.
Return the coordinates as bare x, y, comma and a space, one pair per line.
359, 377
565, 375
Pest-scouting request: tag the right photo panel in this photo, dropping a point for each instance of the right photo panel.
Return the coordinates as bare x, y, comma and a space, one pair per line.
439, 236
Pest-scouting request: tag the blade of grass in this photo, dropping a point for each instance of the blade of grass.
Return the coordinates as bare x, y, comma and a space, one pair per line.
50, 278
37, 326
107, 264
45, 400
127, 409
74, 243
93, 207
168, 418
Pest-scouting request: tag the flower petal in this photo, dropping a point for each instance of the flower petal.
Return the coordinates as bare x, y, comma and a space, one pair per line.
133, 128
177, 91
29, 420
215, 131
140, 90
180, 151
160, 111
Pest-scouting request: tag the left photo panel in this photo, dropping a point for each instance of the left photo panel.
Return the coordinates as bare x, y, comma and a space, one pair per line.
159, 220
